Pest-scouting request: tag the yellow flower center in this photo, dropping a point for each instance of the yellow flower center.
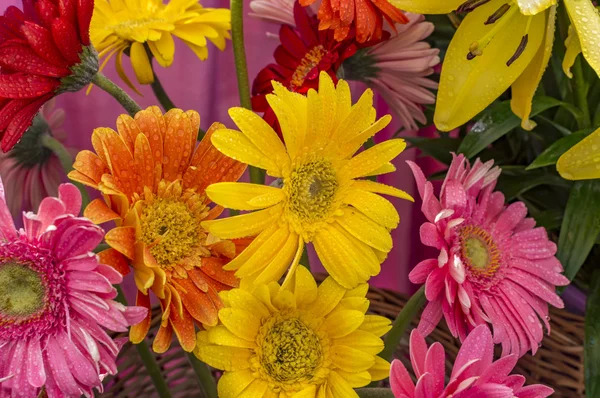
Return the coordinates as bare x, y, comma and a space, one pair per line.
170, 230
479, 251
308, 63
291, 351
311, 190
21, 290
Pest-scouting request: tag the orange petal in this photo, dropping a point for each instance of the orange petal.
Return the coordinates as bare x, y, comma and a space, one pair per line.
214, 212
90, 165
144, 162
82, 178
195, 122
119, 159
184, 329
213, 267
128, 129
198, 304
123, 240
178, 144
138, 332
163, 338
98, 212
114, 259
151, 123
199, 279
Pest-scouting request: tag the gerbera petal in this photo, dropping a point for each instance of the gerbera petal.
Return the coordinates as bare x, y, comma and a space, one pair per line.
378, 209
98, 212
237, 146
122, 239
183, 326
232, 384
329, 295
138, 332
241, 323
366, 229
341, 323
141, 63
373, 158
250, 224
244, 196
350, 359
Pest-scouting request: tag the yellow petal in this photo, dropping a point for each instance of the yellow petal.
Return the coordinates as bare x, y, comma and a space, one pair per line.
290, 119
329, 295
322, 108
523, 89
350, 359
339, 387
243, 324
121, 71
242, 299
428, 6
305, 288
365, 229
533, 7
222, 336
381, 369
342, 323
378, 209
231, 384
360, 117
586, 21
378, 325
573, 46
237, 146
223, 357
256, 245
353, 144
385, 169
257, 389
376, 187
581, 162
163, 49
260, 258
373, 158
240, 195
363, 341
245, 225
355, 379
469, 86
141, 64
281, 260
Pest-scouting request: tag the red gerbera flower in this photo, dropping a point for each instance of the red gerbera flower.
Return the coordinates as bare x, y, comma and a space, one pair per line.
365, 15
304, 53
43, 51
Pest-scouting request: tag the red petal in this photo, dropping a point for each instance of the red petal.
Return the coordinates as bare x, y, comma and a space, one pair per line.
12, 20
21, 122
20, 85
304, 24
41, 41
67, 40
23, 59
47, 11
29, 10
85, 10
284, 58
292, 43
9, 109
67, 10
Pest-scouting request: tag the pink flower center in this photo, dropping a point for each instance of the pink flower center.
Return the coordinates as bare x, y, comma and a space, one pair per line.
32, 291
308, 63
479, 252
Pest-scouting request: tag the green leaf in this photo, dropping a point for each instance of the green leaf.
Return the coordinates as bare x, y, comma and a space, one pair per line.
580, 227
515, 181
553, 152
375, 393
592, 339
438, 148
497, 121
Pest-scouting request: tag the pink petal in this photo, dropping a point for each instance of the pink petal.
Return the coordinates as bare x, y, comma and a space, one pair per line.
431, 316
538, 305
514, 381
535, 391
80, 366
454, 197
418, 352
513, 215
419, 176
88, 282
435, 283
544, 269
524, 225
494, 207
535, 286
70, 196
498, 371
36, 373
530, 341
424, 387
50, 209
435, 366
513, 331
134, 315
400, 380
430, 236
431, 206
477, 345
84, 262
78, 239
421, 271
111, 274
59, 368
486, 391
7, 226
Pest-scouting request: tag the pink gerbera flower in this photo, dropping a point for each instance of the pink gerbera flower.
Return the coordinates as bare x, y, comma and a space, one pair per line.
474, 374
55, 302
493, 267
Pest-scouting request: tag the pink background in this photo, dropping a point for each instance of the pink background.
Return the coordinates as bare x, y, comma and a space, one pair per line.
210, 87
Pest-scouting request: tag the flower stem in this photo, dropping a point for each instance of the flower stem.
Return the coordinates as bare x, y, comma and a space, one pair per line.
148, 358
161, 94
581, 89
404, 318
257, 176
117, 92
66, 161
205, 378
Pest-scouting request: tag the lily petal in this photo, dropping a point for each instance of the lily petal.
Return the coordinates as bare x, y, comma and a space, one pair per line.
427, 6
581, 162
586, 21
573, 46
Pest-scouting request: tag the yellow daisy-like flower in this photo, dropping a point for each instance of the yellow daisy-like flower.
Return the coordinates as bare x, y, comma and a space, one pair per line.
301, 341
118, 25
502, 44
320, 199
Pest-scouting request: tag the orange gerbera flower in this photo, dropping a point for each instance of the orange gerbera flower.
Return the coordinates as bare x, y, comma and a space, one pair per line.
366, 16
153, 184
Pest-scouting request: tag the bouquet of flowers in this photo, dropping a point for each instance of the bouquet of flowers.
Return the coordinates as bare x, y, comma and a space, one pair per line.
217, 232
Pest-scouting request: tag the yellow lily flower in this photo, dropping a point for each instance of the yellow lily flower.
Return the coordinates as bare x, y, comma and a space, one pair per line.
581, 162
502, 44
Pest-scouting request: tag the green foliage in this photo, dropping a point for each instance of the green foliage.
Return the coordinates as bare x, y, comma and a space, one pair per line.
592, 339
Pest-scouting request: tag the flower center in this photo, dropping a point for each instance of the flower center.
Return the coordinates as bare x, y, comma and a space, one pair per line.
170, 230
21, 291
311, 191
308, 63
131, 26
479, 251
291, 351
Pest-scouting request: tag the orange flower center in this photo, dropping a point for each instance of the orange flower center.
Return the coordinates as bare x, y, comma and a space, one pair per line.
479, 251
308, 63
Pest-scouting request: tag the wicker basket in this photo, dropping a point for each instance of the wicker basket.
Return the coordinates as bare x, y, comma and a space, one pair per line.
558, 363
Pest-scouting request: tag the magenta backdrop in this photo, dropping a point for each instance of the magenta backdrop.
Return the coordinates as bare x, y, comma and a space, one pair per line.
210, 87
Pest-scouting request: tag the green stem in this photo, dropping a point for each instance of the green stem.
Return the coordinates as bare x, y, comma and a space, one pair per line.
257, 176
161, 94
581, 89
305, 260
148, 358
404, 318
117, 92
205, 378
66, 161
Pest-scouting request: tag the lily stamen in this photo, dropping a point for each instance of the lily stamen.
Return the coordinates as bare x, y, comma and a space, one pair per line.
476, 48
470, 5
498, 14
522, 45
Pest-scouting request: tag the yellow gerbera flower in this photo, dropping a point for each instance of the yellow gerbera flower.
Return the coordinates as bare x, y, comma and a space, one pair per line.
582, 161
502, 44
153, 176
319, 200
118, 25
300, 341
